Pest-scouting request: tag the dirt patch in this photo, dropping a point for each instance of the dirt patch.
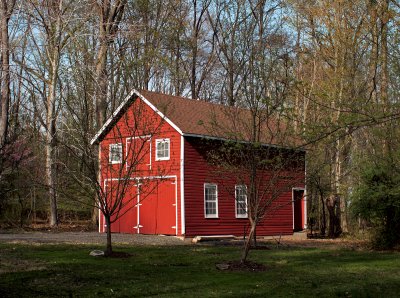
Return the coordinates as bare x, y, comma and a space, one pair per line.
119, 255
248, 266
261, 247
339, 243
267, 244
18, 265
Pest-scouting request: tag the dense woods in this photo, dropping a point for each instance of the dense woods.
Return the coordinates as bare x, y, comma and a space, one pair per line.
329, 69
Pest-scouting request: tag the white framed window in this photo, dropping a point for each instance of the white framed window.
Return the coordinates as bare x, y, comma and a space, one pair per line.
162, 149
134, 144
115, 153
210, 200
241, 201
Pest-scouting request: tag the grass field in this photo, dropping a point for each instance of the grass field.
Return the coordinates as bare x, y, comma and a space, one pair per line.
189, 271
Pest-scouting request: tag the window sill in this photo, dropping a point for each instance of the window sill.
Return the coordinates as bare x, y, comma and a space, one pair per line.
161, 159
241, 217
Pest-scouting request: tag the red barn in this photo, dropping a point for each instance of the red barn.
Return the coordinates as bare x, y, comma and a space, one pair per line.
160, 143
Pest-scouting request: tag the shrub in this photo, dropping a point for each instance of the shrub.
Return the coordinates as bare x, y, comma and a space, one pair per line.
377, 200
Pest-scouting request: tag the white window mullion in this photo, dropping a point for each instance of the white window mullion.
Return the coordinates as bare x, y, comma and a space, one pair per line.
241, 201
162, 149
210, 200
115, 153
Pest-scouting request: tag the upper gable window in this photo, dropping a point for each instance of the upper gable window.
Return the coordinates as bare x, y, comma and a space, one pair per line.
162, 149
115, 153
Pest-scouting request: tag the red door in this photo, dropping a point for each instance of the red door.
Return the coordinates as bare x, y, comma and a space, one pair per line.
166, 209
157, 212
125, 215
128, 213
111, 190
148, 208
298, 210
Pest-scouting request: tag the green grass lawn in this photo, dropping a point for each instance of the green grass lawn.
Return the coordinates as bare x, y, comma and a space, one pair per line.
189, 271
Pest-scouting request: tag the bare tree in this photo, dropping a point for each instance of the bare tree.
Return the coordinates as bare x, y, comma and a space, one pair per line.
202, 57
229, 26
110, 14
6, 10
266, 174
51, 28
125, 151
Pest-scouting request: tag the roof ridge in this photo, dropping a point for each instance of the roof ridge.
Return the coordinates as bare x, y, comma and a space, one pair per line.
198, 117
189, 99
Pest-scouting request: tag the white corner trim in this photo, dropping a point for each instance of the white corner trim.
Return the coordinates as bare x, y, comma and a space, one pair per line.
182, 185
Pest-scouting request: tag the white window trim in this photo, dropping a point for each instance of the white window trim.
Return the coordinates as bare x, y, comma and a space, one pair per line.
109, 153
216, 201
169, 149
129, 140
236, 202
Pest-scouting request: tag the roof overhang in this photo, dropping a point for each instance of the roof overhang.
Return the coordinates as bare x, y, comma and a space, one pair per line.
126, 103
133, 95
207, 137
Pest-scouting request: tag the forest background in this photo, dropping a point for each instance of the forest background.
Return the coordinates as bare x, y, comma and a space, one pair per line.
329, 68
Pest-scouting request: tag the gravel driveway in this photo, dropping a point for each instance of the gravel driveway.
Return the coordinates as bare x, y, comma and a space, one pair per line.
89, 238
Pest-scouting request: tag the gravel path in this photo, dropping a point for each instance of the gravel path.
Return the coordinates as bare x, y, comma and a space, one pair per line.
137, 239
89, 238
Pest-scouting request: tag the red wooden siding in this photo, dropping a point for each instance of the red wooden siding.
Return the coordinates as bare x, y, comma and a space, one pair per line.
137, 130
197, 172
154, 207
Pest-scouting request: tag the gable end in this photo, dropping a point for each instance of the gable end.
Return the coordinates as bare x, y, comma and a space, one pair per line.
132, 96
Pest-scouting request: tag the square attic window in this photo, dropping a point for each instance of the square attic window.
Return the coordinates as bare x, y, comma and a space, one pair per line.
162, 149
115, 153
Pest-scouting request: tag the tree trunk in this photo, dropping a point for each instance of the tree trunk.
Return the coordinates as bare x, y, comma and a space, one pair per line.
231, 87
51, 117
110, 15
109, 250
331, 211
323, 221
5, 71
194, 53
95, 216
247, 243
374, 56
332, 204
255, 237
343, 215
50, 148
384, 53
101, 82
